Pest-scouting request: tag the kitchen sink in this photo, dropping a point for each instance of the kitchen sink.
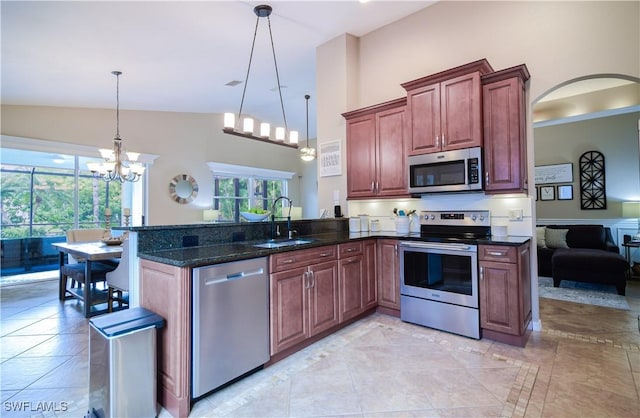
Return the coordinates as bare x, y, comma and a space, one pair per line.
287, 243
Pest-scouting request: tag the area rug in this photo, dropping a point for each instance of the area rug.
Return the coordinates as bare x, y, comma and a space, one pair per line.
587, 293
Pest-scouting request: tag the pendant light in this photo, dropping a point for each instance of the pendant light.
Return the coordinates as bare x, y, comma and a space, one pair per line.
247, 131
307, 153
118, 164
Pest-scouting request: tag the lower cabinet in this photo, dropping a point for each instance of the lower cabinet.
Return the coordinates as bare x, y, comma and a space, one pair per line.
505, 293
388, 274
303, 295
356, 264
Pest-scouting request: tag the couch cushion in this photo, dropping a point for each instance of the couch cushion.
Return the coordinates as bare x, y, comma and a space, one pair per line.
556, 238
540, 236
586, 236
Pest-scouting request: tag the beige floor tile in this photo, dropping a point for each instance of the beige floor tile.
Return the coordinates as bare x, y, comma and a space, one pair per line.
21, 372
578, 400
14, 345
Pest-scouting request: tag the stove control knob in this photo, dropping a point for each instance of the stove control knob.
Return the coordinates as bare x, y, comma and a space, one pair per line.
432, 217
473, 217
482, 217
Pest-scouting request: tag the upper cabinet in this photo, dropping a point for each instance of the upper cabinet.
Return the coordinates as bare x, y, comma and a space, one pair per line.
445, 109
376, 151
505, 145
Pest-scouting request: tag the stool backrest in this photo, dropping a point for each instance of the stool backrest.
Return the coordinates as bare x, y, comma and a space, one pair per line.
119, 278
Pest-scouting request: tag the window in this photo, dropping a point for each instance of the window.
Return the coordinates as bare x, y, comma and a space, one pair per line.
238, 189
46, 194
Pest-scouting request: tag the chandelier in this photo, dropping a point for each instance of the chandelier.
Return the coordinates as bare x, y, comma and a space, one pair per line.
231, 123
118, 164
307, 153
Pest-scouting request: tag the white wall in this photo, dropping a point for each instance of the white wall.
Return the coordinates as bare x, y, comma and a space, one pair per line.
185, 142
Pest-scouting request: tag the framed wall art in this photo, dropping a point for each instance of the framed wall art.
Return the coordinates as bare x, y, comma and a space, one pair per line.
554, 173
547, 193
565, 192
593, 194
330, 159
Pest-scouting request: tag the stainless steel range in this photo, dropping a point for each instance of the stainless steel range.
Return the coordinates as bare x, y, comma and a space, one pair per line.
439, 272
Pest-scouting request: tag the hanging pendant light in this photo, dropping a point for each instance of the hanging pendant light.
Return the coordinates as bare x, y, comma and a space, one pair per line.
118, 164
307, 153
230, 119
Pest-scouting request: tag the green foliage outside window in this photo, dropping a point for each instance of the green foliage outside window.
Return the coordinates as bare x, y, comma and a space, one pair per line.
235, 195
47, 208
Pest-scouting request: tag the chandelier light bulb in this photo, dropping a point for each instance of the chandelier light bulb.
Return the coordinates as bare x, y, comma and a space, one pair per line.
265, 130
279, 133
229, 120
247, 125
293, 137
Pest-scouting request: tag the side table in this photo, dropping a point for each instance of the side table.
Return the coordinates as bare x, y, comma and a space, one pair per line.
627, 253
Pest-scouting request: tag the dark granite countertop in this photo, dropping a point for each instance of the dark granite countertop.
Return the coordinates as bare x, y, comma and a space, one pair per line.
225, 252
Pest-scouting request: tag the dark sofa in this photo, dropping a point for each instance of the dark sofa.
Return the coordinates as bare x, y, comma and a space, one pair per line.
587, 254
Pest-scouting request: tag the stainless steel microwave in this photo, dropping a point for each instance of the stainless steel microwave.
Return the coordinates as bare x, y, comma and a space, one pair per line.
447, 171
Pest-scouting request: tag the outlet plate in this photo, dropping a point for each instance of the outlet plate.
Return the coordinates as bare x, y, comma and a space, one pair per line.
515, 215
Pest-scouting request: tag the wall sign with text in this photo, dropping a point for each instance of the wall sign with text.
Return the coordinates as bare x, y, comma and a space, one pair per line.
554, 173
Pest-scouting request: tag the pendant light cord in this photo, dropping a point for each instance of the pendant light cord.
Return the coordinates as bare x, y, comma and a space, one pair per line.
307, 97
117, 74
275, 63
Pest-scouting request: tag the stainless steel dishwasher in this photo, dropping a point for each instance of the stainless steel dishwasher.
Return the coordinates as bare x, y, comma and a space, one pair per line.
230, 317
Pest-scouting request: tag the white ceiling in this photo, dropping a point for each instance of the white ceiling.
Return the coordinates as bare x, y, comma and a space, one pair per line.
176, 56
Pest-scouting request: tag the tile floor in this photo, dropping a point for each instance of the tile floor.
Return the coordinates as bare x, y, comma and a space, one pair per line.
585, 363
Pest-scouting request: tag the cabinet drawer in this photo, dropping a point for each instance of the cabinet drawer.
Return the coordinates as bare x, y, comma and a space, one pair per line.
349, 249
501, 253
301, 258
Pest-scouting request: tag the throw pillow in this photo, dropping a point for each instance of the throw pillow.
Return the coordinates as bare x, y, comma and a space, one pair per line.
556, 238
540, 236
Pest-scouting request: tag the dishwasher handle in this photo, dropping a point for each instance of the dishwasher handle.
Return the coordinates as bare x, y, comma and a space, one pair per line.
234, 276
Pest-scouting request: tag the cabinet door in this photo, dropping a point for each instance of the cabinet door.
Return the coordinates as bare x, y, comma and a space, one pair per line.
504, 145
388, 274
289, 318
391, 153
424, 121
351, 285
361, 156
323, 297
499, 297
369, 286
461, 112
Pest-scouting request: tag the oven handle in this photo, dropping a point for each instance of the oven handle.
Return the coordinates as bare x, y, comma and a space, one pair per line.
438, 246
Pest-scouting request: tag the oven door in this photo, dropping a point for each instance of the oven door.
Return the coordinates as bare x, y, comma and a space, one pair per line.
444, 272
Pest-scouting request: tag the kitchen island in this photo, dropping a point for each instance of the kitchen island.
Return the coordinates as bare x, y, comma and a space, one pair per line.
316, 287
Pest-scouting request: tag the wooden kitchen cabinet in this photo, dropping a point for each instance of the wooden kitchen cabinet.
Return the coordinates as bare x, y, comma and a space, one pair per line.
303, 295
388, 275
356, 264
376, 151
505, 293
445, 109
505, 145
157, 281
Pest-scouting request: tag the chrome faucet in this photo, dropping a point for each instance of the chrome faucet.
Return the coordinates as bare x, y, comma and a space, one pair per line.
275, 232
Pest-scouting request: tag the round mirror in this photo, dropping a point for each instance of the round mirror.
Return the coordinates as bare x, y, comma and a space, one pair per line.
183, 188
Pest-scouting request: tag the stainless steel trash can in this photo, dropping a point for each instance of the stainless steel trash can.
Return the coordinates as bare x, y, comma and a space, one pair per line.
122, 364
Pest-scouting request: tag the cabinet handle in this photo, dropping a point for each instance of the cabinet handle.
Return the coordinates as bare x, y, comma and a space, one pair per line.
373, 186
325, 254
444, 141
437, 141
481, 273
289, 261
486, 178
350, 250
313, 279
350, 261
497, 253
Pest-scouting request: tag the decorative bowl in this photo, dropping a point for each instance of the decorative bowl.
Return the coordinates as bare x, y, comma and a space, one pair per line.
112, 241
254, 217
